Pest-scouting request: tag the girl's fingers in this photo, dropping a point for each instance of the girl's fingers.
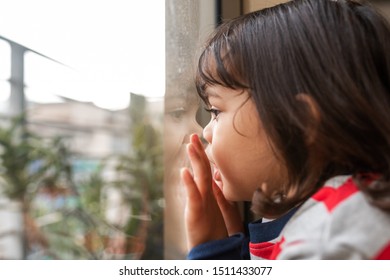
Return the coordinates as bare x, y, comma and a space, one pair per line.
230, 212
201, 169
204, 220
227, 208
190, 185
222, 202
194, 139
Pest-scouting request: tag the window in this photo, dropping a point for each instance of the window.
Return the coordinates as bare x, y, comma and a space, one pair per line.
5, 74
84, 168
187, 23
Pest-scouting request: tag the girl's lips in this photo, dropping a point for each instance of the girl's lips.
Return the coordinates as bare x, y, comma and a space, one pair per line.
217, 177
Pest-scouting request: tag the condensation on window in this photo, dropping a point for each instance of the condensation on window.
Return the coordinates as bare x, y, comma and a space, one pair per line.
187, 24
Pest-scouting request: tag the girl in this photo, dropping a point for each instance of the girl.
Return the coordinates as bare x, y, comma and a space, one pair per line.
300, 101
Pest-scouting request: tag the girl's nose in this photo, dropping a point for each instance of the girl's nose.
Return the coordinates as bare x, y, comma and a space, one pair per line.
207, 133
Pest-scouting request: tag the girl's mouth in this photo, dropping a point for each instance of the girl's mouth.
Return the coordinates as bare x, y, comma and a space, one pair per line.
217, 177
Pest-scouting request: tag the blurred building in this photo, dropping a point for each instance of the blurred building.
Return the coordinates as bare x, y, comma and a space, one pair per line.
90, 131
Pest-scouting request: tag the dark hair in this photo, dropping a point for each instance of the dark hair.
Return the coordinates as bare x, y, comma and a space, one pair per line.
338, 54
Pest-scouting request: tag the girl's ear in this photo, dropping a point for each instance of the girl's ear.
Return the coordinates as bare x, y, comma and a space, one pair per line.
313, 117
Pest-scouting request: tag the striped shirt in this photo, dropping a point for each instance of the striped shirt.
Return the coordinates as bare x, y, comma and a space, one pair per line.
338, 223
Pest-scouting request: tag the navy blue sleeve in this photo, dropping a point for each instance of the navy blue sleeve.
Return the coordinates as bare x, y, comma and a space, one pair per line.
234, 247
263, 232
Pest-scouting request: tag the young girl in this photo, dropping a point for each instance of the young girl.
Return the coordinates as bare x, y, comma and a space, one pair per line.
300, 101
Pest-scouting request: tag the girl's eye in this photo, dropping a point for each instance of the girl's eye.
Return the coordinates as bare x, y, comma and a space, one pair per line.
214, 112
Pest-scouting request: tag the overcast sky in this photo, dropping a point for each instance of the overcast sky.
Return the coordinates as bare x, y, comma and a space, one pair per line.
116, 46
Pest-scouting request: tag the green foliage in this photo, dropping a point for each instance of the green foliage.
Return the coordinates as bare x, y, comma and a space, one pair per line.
26, 160
30, 165
91, 192
140, 177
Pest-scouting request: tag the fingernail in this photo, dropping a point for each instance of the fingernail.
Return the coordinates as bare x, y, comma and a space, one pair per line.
194, 137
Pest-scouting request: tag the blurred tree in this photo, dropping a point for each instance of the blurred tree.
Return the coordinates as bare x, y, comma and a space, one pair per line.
31, 165
141, 184
64, 219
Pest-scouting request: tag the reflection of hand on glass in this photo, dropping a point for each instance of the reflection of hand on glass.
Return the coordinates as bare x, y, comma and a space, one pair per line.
180, 122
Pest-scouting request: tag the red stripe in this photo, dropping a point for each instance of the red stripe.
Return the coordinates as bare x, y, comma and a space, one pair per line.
277, 249
331, 197
262, 250
384, 254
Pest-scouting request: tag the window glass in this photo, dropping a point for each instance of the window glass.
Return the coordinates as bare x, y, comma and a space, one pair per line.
5, 58
45, 80
5, 73
5, 91
186, 23
82, 168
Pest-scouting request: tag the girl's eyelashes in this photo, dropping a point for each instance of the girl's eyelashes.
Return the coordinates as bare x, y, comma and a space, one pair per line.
214, 112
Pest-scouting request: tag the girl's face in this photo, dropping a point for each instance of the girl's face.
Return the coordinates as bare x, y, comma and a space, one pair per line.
239, 150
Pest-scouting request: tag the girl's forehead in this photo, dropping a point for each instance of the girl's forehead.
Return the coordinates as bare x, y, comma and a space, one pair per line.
213, 93
220, 92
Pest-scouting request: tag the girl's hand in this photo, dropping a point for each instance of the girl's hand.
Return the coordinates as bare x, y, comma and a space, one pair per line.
230, 213
204, 218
